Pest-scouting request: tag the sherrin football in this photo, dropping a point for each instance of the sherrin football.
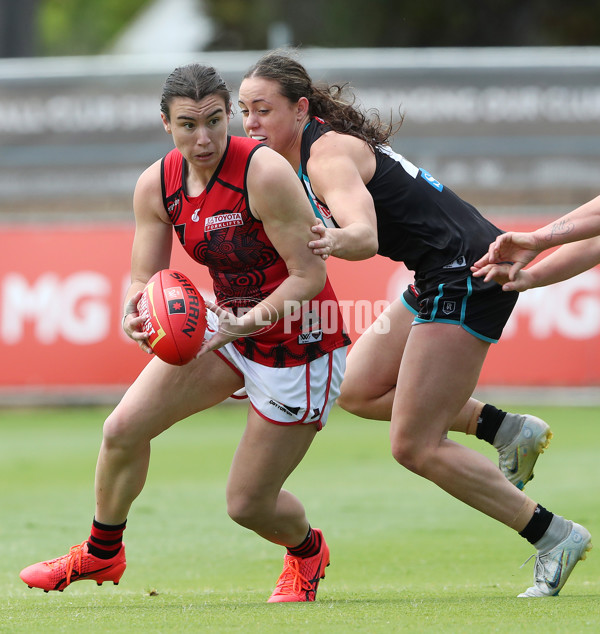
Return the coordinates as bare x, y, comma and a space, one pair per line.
174, 316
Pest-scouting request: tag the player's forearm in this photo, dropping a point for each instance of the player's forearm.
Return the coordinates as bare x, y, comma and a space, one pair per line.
356, 241
285, 299
580, 224
135, 287
566, 262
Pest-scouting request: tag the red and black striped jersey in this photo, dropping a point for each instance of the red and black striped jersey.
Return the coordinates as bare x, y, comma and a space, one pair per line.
218, 230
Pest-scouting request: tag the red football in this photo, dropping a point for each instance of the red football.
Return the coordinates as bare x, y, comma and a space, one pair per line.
174, 316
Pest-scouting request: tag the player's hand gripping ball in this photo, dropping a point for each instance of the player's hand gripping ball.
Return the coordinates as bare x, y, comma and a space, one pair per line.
174, 316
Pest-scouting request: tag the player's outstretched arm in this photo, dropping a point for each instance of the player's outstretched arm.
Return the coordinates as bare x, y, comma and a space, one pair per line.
506, 256
566, 262
518, 249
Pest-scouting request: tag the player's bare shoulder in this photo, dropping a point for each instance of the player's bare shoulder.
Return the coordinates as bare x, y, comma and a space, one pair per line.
274, 189
147, 196
149, 180
339, 154
271, 182
266, 167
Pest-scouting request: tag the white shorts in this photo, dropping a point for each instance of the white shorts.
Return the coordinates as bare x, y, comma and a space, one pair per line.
287, 396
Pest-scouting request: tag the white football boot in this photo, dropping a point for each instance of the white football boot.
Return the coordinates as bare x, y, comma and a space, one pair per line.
517, 458
552, 569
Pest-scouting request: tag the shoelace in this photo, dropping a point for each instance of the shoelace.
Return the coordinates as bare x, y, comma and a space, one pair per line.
75, 554
528, 558
291, 576
538, 567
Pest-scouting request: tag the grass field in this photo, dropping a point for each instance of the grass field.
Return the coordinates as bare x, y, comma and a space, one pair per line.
405, 556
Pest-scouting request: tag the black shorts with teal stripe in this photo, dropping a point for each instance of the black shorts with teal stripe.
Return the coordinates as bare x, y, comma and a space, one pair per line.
481, 308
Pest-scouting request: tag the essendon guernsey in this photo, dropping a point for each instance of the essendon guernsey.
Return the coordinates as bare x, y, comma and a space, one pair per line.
218, 230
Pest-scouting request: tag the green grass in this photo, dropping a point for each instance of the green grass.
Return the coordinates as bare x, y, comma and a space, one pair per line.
406, 557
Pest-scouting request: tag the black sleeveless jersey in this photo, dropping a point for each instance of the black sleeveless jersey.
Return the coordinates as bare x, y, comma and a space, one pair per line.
419, 221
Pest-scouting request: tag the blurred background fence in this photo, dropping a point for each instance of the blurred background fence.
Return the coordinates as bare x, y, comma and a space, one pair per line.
509, 128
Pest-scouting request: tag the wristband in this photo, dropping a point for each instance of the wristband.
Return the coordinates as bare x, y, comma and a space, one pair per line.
127, 312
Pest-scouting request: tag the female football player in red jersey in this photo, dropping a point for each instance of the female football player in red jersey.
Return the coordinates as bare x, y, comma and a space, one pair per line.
420, 370
238, 208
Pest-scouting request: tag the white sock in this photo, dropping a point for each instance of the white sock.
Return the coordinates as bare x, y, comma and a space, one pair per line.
555, 533
510, 426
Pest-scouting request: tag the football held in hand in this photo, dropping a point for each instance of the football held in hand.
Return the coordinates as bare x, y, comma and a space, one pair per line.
174, 316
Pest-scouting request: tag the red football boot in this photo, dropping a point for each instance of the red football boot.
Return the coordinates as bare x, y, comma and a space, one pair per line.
300, 577
57, 574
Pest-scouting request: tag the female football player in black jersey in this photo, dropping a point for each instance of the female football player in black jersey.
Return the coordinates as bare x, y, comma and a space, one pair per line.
420, 372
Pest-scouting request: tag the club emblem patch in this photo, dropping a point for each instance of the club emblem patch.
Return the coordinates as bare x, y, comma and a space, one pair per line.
448, 307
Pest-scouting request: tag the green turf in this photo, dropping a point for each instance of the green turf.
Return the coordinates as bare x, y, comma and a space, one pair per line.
406, 557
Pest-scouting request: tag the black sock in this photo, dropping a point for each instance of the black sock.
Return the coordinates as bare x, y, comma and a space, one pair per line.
309, 547
537, 525
105, 541
489, 422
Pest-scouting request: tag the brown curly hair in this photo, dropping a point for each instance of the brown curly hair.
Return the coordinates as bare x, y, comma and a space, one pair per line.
327, 102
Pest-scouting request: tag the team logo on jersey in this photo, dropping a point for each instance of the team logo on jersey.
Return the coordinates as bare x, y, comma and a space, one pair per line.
195, 217
431, 180
310, 337
459, 263
222, 221
172, 205
311, 332
324, 210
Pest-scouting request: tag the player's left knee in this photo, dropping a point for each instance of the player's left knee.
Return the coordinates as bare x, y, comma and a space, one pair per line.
245, 510
352, 401
345, 402
115, 430
413, 456
123, 432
